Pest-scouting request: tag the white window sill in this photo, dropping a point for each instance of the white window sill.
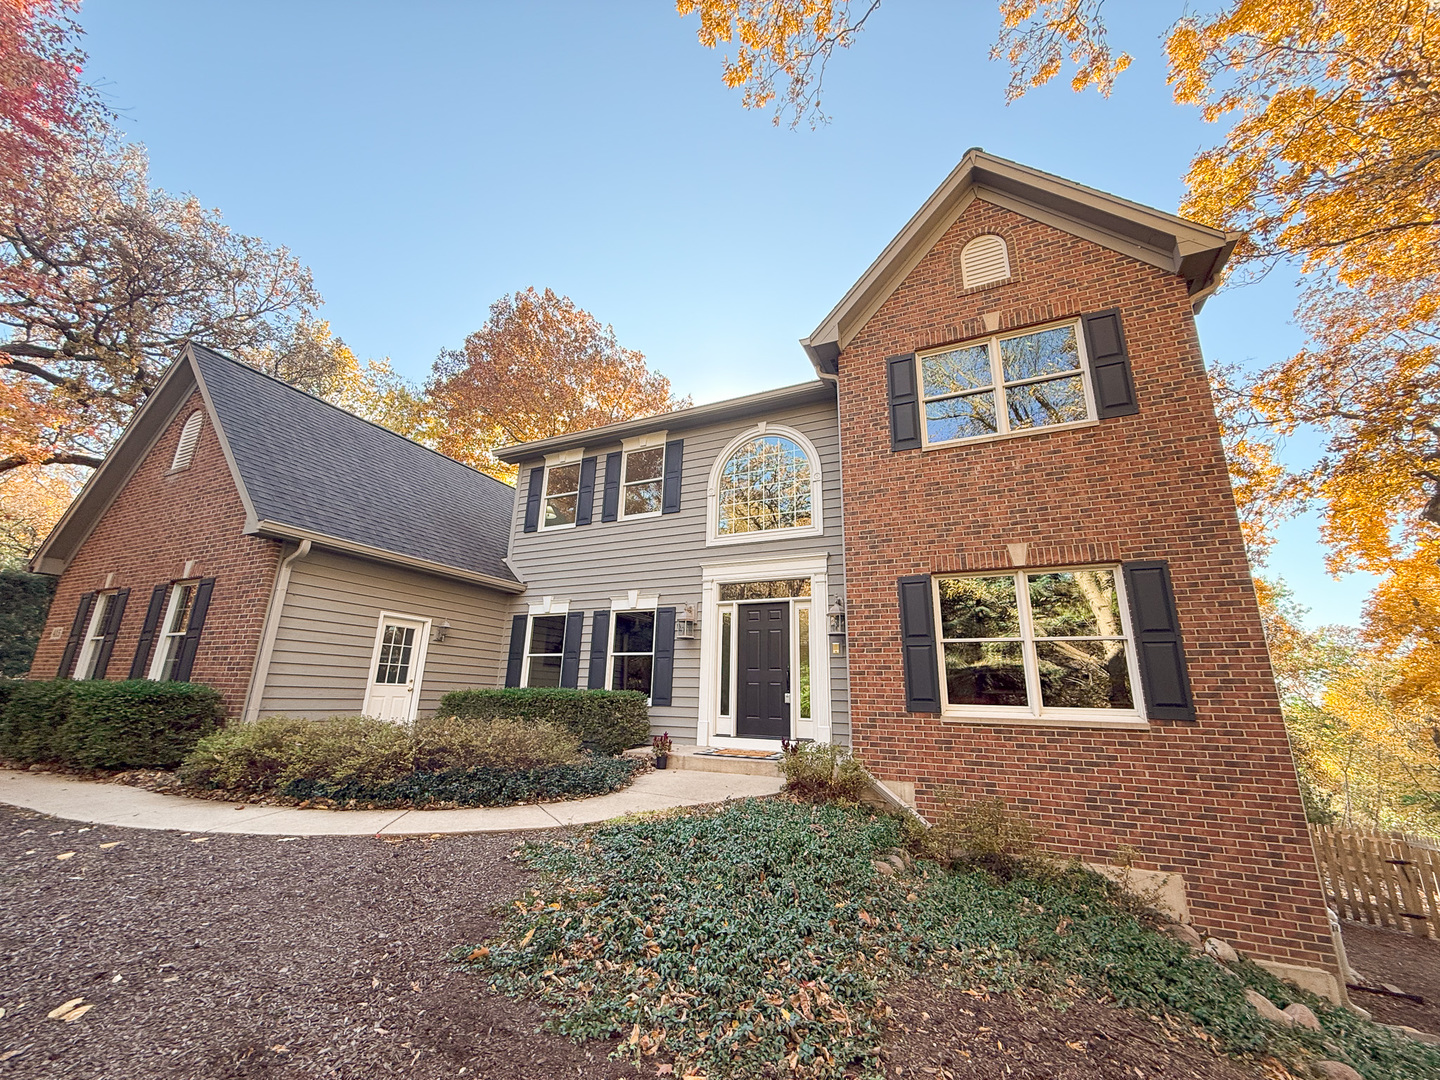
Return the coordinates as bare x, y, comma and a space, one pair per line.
639, 517
1124, 721
557, 528
951, 444
760, 536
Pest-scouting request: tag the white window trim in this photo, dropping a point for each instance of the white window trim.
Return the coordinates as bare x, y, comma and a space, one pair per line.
711, 729
713, 536
1036, 715
653, 440
560, 460
557, 609
997, 386
652, 606
417, 661
94, 638
160, 645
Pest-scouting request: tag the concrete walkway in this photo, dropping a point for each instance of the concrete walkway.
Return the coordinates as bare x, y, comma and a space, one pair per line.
117, 804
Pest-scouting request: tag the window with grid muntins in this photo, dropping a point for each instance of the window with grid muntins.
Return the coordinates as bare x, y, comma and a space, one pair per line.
633, 651
644, 481
1035, 643
562, 494
1002, 385
764, 487
546, 653
984, 261
397, 646
172, 638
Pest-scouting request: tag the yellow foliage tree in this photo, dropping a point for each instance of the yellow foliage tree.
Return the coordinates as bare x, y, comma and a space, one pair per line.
32, 499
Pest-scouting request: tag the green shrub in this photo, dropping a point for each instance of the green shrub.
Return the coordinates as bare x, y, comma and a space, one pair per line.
480, 786
608, 721
33, 714
24, 603
451, 742
269, 753
136, 724
823, 772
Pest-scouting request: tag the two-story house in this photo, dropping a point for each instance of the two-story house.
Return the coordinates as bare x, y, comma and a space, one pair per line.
1031, 583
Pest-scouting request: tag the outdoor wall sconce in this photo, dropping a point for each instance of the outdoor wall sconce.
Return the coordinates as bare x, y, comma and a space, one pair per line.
837, 627
687, 627
440, 633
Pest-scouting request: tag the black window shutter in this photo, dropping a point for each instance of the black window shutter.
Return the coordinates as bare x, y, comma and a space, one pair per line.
917, 640
570, 652
599, 648
140, 664
674, 466
1109, 365
515, 662
1157, 641
662, 670
77, 635
904, 402
532, 498
587, 491
191, 642
611, 510
112, 631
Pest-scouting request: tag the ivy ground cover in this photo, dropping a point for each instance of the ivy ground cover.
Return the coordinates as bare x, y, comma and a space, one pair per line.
757, 939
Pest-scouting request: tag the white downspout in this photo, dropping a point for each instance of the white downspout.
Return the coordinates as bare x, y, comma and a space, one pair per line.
261, 673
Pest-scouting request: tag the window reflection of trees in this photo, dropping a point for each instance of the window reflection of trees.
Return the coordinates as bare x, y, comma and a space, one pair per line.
765, 486
1074, 635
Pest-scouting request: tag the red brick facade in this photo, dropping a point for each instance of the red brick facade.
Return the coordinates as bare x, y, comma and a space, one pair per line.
160, 523
1215, 800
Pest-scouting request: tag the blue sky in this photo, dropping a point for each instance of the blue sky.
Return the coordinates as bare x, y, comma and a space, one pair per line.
425, 159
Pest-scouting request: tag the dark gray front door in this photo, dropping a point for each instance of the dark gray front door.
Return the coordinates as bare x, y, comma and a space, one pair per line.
764, 671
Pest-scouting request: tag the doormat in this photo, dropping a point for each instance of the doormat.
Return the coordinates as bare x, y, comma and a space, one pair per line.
761, 755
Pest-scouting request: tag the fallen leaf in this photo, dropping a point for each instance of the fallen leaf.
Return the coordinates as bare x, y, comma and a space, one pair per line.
75, 1014
374, 982
173, 978
526, 939
8, 1054
65, 855
61, 1010
113, 843
478, 954
865, 917
280, 1048
202, 839
664, 1070
415, 986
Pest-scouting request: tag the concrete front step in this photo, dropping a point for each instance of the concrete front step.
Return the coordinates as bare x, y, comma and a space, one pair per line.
686, 757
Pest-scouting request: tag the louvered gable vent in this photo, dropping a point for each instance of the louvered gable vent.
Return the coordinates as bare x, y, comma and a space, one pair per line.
984, 261
189, 436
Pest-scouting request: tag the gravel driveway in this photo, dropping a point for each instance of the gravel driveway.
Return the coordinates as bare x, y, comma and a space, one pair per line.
240, 956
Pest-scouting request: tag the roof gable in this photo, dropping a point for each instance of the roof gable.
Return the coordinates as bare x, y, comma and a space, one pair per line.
305, 469
1196, 252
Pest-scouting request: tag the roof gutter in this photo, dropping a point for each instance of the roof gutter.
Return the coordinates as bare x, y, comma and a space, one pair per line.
291, 532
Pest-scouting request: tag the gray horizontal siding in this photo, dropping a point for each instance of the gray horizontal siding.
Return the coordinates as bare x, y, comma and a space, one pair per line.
321, 662
590, 564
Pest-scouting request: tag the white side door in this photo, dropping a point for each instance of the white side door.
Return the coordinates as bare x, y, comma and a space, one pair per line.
396, 668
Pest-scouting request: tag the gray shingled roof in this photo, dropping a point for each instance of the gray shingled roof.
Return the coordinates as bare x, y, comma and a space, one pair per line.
308, 465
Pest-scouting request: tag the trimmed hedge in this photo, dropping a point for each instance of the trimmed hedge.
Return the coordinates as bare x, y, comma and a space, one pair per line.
607, 721
480, 787
95, 724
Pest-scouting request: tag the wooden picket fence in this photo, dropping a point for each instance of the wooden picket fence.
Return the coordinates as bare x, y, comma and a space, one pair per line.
1385, 879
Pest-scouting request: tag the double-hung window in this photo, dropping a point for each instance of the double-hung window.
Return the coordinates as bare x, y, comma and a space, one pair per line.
632, 651
562, 495
171, 634
1005, 384
643, 484
94, 636
1036, 644
545, 651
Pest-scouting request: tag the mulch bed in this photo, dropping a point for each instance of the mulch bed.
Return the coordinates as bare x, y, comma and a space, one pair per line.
950, 1035
247, 956
1409, 963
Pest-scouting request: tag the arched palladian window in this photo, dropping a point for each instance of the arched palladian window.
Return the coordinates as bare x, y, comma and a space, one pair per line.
767, 481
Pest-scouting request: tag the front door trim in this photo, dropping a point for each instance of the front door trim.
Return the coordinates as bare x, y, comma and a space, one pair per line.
712, 729
422, 646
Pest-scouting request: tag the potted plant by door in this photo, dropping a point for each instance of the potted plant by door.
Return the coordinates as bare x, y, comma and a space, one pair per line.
661, 749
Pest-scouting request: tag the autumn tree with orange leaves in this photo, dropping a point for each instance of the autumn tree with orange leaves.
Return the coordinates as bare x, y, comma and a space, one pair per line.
540, 366
1328, 158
